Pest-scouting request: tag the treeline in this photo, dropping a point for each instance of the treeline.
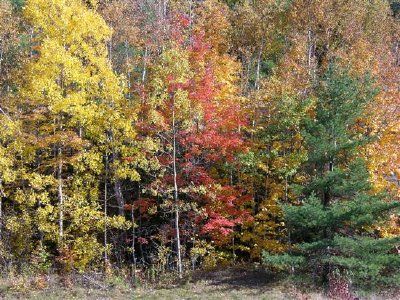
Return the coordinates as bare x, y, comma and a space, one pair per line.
182, 134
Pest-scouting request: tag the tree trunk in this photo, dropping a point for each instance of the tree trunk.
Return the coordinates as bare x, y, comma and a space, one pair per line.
176, 200
1, 58
2, 194
117, 186
60, 197
119, 196
110, 45
144, 65
133, 238
311, 55
258, 70
1, 216
105, 213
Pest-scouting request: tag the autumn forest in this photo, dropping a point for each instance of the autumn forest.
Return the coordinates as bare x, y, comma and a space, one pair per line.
155, 138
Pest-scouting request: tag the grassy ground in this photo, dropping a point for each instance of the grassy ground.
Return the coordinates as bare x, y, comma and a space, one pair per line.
225, 284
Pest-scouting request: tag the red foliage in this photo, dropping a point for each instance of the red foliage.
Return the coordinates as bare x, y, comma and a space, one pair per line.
144, 204
209, 143
212, 141
179, 24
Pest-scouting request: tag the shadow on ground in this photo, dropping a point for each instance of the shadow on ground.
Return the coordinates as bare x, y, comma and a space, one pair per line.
236, 278
253, 281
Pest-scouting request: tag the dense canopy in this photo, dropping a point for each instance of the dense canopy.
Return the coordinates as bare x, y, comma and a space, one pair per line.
175, 135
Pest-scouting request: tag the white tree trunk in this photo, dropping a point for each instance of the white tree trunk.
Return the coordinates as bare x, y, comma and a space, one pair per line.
176, 200
144, 64
60, 197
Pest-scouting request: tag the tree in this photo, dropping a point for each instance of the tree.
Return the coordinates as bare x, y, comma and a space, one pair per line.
363, 36
273, 163
195, 111
170, 112
337, 208
75, 113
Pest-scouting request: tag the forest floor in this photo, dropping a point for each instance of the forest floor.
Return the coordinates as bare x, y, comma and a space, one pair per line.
232, 283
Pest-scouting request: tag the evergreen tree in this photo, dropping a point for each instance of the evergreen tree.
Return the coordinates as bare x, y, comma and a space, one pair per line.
334, 228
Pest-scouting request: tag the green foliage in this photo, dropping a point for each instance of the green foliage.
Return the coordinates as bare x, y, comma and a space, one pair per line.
283, 262
370, 261
339, 209
333, 131
18, 3
41, 259
272, 164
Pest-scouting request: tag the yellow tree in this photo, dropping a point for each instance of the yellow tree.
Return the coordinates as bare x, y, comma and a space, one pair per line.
16, 223
6, 29
79, 122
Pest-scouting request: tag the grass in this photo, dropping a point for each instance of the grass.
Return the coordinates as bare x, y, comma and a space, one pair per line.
233, 283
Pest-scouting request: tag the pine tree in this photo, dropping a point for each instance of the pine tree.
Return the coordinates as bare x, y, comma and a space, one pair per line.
334, 228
